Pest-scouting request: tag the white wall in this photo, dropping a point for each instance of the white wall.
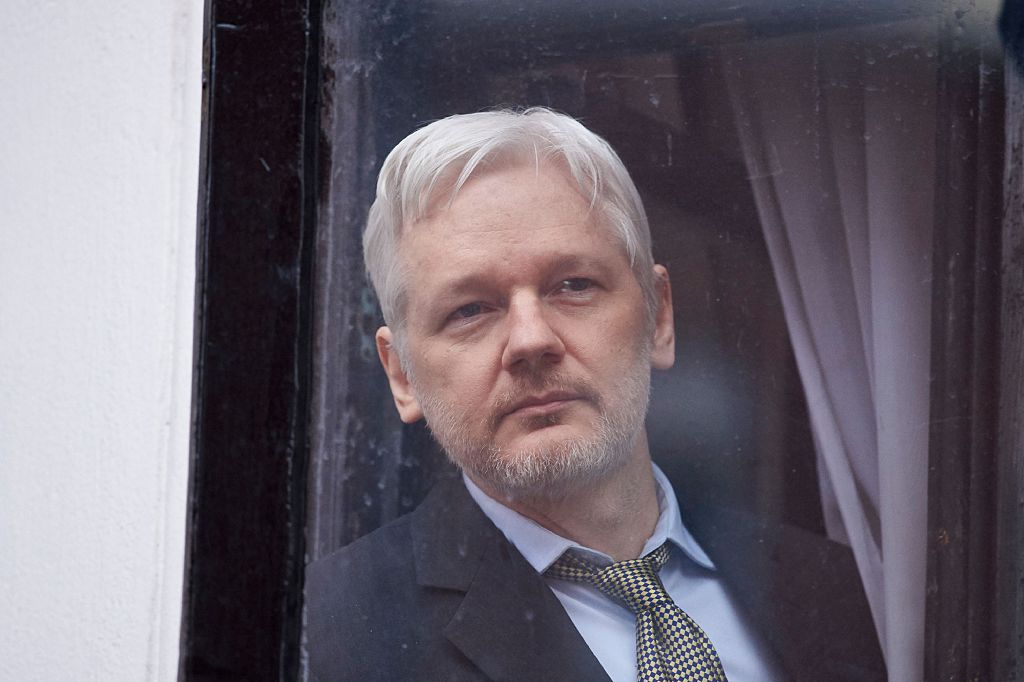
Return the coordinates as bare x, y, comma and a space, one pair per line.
99, 148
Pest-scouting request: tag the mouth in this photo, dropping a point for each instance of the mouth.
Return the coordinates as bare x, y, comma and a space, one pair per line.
542, 405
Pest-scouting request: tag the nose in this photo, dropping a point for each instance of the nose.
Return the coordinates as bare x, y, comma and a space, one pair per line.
531, 338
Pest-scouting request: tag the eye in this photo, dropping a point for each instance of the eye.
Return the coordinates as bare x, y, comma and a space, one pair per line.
467, 311
575, 284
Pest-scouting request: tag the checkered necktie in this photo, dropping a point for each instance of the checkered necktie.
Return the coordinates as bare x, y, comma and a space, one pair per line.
669, 644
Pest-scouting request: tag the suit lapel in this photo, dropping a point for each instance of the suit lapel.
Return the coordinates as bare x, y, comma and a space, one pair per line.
801, 591
509, 623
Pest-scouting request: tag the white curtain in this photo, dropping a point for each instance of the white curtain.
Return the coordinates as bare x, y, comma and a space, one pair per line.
838, 132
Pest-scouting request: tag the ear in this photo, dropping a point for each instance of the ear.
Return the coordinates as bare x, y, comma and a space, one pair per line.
401, 390
663, 347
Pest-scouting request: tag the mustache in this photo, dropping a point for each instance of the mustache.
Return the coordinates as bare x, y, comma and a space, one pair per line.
533, 383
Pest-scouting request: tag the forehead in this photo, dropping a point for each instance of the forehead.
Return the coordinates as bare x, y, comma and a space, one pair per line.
516, 226
511, 218
496, 210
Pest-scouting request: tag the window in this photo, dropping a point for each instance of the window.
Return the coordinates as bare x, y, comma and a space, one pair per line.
825, 186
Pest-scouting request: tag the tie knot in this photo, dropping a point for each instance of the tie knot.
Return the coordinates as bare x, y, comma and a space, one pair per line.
634, 582
669, 644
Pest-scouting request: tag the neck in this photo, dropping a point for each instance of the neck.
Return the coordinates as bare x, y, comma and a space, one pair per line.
616, 515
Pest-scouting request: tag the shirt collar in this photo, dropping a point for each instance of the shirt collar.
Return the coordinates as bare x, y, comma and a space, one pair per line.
541, 547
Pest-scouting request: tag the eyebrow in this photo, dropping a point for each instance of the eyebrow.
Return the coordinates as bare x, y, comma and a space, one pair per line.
473, 282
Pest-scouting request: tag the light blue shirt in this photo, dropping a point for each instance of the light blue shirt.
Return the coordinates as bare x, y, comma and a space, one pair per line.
608, 627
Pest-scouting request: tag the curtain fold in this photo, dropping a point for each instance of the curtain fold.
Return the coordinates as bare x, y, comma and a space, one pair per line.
838, 133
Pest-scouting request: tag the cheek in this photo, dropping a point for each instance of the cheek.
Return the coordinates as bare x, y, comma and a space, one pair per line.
463, 374
617, 332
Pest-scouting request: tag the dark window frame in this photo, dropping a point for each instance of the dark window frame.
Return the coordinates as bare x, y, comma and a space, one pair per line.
245, 550
258, 220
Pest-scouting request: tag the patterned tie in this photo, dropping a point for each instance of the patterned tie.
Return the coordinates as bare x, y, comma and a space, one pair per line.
669, 644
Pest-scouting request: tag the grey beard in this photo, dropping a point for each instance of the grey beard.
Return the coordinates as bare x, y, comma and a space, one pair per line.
557, 470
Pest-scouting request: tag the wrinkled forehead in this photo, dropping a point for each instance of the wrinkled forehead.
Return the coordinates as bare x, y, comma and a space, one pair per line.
445, 189
599, 198
461, 214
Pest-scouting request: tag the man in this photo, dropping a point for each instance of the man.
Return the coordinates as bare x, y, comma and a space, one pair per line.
512, 258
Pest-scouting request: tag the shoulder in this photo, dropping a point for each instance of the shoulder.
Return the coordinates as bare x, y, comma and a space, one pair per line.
386, 557
350, 580
384, 554
802, 590
370, 613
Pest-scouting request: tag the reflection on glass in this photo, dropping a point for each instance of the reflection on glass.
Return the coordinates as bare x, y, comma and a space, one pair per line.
794, 163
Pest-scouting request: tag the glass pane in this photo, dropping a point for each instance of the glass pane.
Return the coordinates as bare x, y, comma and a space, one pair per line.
795, 164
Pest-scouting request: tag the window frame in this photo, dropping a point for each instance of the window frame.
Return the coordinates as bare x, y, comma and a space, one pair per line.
259, 220
245, 548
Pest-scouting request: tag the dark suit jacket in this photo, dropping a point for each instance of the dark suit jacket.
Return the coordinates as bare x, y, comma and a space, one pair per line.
440, 594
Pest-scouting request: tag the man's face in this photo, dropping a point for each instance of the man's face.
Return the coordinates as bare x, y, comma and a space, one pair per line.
527, 344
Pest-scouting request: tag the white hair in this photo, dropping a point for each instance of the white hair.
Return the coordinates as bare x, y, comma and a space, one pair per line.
442, 156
